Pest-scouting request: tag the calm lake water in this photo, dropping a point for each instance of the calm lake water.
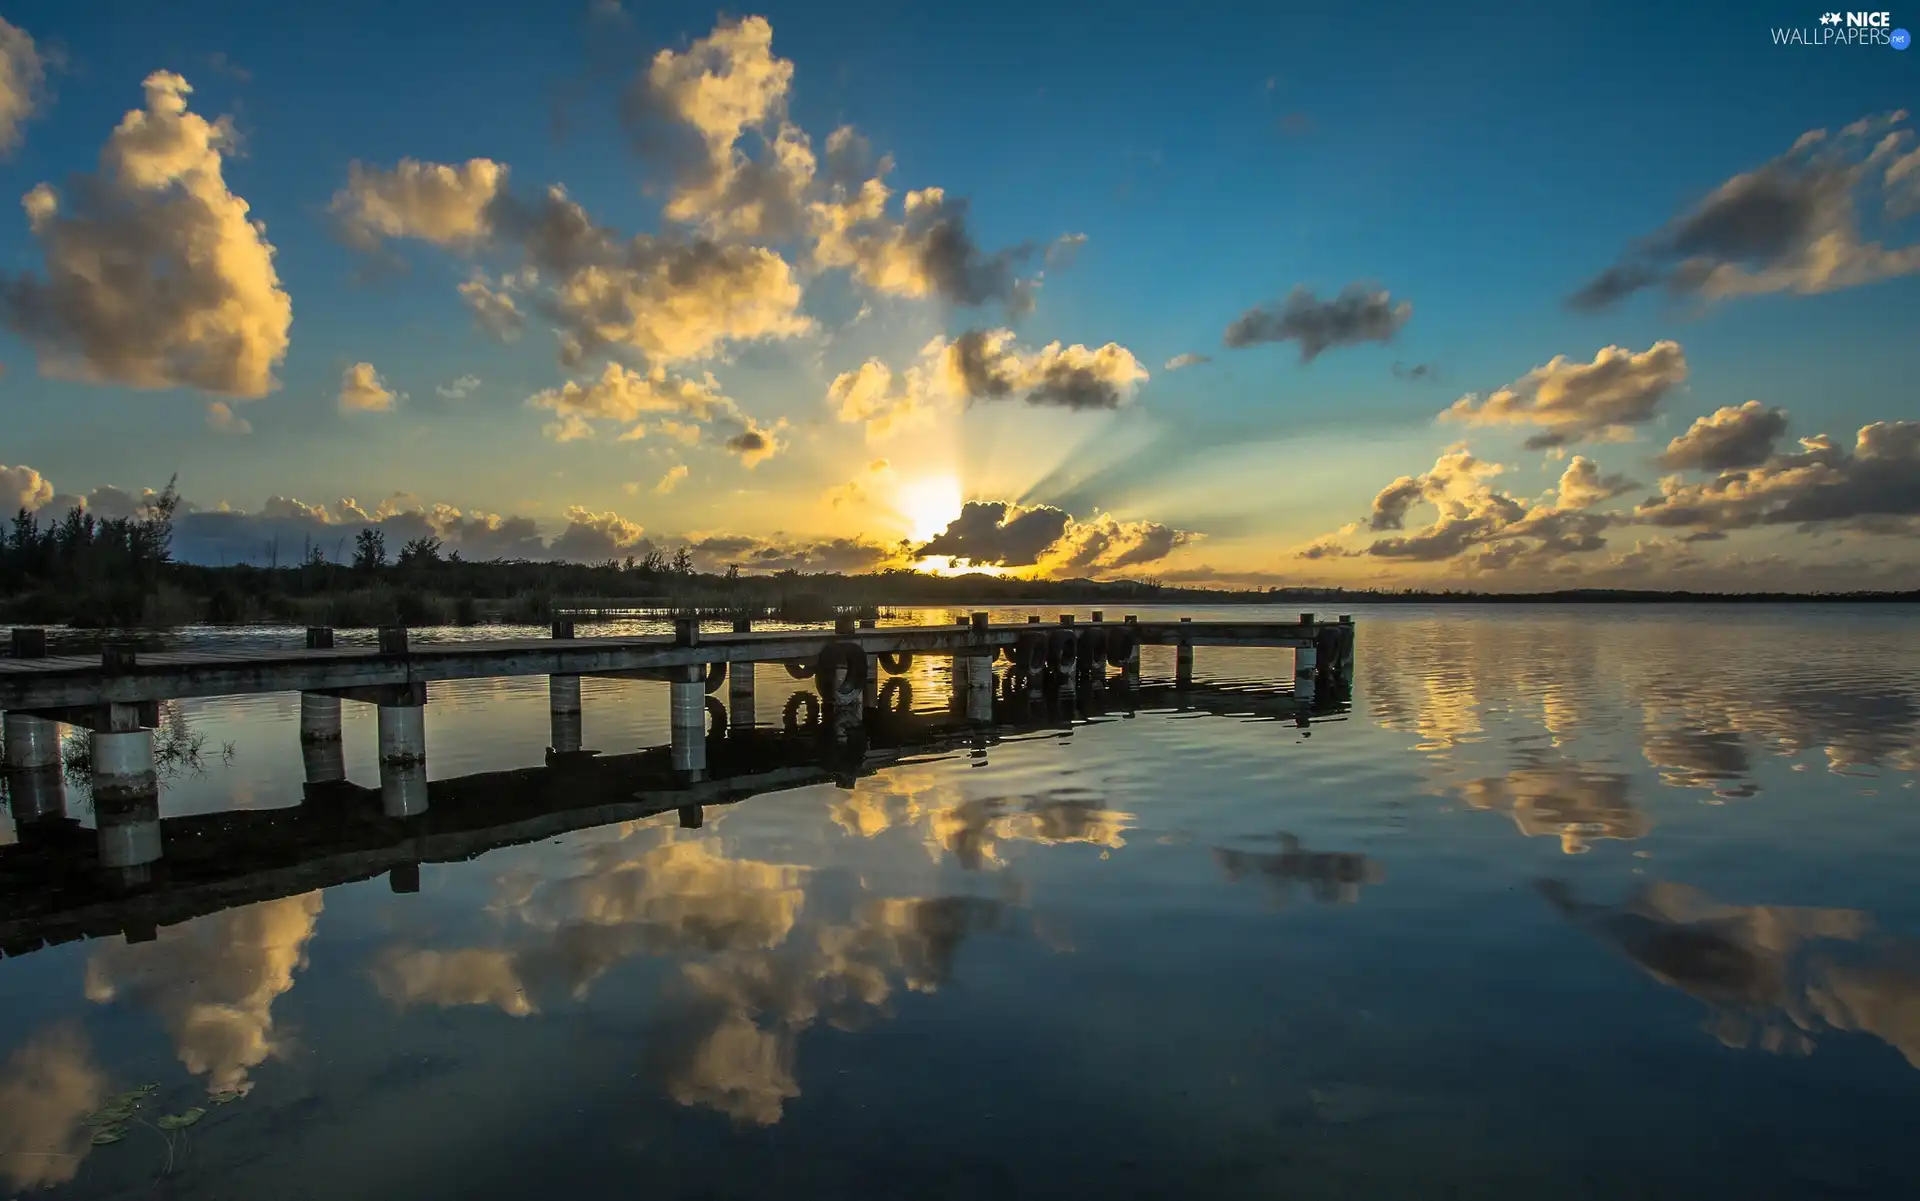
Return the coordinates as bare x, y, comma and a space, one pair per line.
1575, 902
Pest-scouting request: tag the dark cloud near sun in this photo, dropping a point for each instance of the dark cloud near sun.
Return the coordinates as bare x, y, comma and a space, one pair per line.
1358, 314
1000, 534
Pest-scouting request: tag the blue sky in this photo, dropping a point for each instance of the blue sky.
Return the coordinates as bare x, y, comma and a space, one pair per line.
1480, 164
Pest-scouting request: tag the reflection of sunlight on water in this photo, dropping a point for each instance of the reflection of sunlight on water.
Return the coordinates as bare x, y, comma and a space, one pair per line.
46, 1087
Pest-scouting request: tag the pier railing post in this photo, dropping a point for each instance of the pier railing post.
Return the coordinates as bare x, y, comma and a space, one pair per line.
29, 643
1183, 660
393, 640
319, 638
686, 631
563, 627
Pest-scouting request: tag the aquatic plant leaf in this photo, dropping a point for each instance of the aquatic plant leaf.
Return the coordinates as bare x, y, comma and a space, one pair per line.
176, 1121
110, 1134
108, 1115
226, 1096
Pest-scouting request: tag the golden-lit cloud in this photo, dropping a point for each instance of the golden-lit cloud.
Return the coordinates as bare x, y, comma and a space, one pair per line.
193, 299
223, 420
47, 1086
1874, 488
1730, 437
674, 477
22, 77
1571, 802
23, 488
212, 983
444, 204
363, 391
1603, 400
684, 405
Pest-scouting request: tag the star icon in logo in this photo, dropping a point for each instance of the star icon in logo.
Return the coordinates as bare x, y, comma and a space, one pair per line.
1830, 18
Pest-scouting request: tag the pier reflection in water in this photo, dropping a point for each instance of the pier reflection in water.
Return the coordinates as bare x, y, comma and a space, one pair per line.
1577, 902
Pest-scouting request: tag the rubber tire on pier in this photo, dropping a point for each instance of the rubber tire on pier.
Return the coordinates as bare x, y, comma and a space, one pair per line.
833, 657
716, 718
799, 669
1029, 654
1093, 650
1120, 647
790, 716
896, 696
897, 664
1063, 653
716, 675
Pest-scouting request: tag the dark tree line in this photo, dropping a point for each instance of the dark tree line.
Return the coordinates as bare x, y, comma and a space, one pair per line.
116, 557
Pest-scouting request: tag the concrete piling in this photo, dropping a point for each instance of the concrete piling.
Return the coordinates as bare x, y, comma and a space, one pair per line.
979, 684
563, 702
319, 718
1183, 661
32, 742
1305, 669
126, 804
687, 720
403, 787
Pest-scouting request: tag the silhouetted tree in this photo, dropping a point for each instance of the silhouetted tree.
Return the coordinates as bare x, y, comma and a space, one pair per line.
369, 550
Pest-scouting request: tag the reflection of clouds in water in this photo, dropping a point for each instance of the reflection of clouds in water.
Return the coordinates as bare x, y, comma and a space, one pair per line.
1774, 977
1573, 802
753, 973
730, 1032
1331, 877
212, 981
1714, 760
972, 829
46, 1087
648, 890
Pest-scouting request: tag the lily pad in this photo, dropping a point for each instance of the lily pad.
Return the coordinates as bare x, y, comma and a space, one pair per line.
108, 1115
109, 1134
226, 1096
176, 1121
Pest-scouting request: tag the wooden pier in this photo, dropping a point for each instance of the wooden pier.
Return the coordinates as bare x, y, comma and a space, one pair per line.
116, 695
61, 881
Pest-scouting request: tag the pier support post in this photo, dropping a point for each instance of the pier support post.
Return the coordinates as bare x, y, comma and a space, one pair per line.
740, 706
1305, 667
403, 755
1183, 662
979, 684
126, 804
563, 700
36, 784
319, 718
687, 719
324, 763
32, 742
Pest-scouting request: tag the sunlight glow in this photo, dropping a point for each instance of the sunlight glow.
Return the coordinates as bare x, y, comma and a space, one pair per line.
929, 504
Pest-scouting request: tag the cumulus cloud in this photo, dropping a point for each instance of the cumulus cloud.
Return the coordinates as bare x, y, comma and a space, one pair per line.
675, 476
1358, 314
1789, 225
1478, 524
363, 391
1731, 437
697, 105
23, 488
595, 537
494, 309
1106, 542
223, 420
1001, 534
1873, 488
780, 552
459, 389
22, 76
927, 251
984, 365
443, 204
1574, 402
677, 406
854, 491
192, 299
1189, 359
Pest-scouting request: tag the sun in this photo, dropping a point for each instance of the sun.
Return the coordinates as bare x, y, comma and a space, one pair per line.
929, 504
